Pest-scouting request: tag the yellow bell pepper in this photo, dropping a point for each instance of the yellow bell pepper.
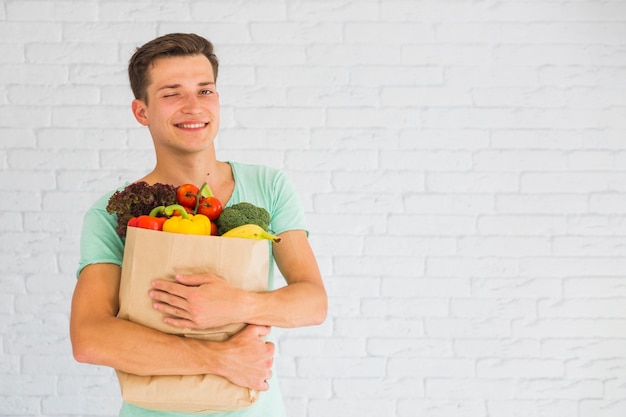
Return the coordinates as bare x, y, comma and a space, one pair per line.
189, 224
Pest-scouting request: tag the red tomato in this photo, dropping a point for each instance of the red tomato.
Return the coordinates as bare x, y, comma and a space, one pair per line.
213, 229
187, 194
210, 207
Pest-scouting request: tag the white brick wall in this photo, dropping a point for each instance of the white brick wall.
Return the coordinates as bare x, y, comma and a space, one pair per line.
462, 165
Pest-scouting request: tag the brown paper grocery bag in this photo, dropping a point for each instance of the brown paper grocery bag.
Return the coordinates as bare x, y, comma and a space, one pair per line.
150, 255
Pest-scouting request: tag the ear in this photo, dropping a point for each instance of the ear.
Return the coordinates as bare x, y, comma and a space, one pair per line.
140, 112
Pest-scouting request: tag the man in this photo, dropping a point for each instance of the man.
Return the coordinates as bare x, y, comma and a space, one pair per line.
173, 79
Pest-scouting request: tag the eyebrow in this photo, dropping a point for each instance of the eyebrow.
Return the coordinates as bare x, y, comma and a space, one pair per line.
172, 86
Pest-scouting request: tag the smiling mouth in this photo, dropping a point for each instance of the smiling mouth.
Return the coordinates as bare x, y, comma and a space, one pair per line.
191, 125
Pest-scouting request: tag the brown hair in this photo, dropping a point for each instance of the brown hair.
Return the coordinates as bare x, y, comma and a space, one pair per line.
174, 44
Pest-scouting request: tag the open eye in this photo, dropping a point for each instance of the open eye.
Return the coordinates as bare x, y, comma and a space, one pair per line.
207, 92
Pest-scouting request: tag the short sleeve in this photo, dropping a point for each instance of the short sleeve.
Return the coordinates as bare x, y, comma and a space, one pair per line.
287, 213
99, 243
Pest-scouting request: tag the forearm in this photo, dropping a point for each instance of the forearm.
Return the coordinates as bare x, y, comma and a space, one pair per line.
136, 349
245, 359
295, 305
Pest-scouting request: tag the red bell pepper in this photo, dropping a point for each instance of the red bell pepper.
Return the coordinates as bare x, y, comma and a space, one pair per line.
148, 221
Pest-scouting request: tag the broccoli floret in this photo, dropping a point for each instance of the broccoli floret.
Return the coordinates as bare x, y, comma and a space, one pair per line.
240, 214
138, 199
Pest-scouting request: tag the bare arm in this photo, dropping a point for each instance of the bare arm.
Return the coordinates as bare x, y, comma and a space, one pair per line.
205, 301
99, 337
303, 302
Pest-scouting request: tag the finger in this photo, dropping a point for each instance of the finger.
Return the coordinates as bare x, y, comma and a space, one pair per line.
175, 312
170, 299
261, 331
173, 288
179, 323
265, 386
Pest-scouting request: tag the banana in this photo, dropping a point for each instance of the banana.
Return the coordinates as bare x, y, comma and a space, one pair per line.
251, 231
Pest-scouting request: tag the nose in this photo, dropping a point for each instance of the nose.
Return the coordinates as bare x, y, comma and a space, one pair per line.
191, 104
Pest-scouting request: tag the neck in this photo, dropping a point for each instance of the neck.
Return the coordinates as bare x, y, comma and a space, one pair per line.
187, 169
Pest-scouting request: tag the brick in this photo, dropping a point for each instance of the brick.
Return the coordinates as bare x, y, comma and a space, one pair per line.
559, 389
408, 407
513, 287
492, 267
389, 75
591, 287
362, 407
470, 388
71, 53
601, 408
467, 327
29, 32
522, 225
419, 347
584, 348
348, 367
593, 308
444, 160
37, 10
572, 182
141, 11
532, 408
42, 159
571, 266
609, 368
442, 206
318, 161
473, 182
59, 95
499, 307
388, 266
407, 308
359, 202
110, 32
498, 246
569, 327
261, 10
409, 387
306, 388
498, 348
440, 96
519, 368
285, 117
362, 11
315, 347
364, 117
346, 246
93, 117
431, 367
425, 287
297, 32
379, 327
352, 138
534, 203
408, 246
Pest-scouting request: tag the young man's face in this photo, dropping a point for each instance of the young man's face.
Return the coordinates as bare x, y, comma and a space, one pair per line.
182, 110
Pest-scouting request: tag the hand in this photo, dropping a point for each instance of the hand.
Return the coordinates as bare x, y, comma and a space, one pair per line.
246, 358
197, 301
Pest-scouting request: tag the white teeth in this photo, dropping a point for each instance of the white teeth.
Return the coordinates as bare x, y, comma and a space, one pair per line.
191, 125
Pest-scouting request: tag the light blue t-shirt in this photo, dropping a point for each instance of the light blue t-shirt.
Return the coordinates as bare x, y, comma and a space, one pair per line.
260, 185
